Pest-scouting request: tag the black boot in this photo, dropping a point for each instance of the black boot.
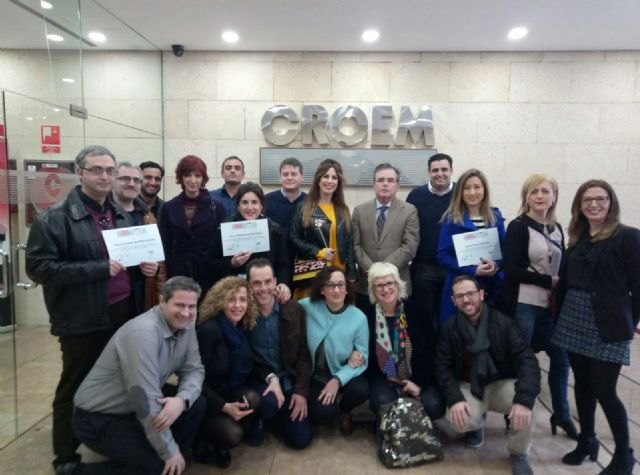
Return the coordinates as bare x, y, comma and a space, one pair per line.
621, 464
588, 446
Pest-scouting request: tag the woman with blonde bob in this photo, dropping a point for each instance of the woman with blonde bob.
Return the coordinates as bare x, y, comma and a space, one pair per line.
402, 349
226, 313
600, 294
533, 249
470, 210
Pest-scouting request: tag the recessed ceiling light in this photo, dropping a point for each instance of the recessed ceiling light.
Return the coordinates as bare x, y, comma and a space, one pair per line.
230, 37
370, 36
55, 109
69, 80
97, 37
45, 5
517, 33
53, 37
28, 118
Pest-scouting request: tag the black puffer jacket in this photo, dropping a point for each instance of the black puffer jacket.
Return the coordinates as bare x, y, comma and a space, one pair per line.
512, 356
64, 255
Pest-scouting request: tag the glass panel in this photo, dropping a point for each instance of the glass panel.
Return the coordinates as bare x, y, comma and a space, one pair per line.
8, 421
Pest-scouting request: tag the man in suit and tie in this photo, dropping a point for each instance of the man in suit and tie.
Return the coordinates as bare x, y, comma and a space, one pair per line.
385, 229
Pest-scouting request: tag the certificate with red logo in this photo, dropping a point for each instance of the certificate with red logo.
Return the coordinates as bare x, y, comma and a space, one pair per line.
133, 245
245, 236
474, 246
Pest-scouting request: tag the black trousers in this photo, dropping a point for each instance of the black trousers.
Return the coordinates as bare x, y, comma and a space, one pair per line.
354, 393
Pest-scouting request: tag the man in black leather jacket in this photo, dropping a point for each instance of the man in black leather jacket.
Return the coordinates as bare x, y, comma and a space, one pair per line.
483, 364
88, 296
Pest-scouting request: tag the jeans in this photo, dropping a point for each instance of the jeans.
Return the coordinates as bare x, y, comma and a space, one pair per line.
122, 438
536, 326
299, 433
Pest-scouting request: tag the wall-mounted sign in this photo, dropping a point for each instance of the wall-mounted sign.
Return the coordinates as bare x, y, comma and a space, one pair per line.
357, 164
50, 137
46, 183
348, 126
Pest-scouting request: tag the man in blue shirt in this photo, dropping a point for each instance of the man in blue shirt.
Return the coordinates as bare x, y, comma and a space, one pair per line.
431, 200
232, 172
282, 363
282, 203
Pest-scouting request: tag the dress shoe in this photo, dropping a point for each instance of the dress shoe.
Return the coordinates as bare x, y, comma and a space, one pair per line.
587, 447
222, 458
474, 438
520, 465
346, 424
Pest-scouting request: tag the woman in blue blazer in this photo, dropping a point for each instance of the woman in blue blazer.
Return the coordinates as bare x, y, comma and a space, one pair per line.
470, 210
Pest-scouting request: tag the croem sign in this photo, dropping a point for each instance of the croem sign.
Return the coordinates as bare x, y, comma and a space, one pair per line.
348, 126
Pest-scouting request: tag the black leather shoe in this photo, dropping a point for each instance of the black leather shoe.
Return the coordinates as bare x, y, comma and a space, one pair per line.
474, 438
222, 458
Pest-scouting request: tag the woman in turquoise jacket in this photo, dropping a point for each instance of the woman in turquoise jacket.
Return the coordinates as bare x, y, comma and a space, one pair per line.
335, 328
470, 210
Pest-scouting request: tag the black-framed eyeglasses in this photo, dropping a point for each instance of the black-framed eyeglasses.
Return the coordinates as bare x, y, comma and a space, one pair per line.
98, 171
335, 285
105, 222
599, 200
468, 295
386, 285
129, 179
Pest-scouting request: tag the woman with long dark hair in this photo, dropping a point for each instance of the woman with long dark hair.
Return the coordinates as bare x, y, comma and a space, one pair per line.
321, 227
600, 293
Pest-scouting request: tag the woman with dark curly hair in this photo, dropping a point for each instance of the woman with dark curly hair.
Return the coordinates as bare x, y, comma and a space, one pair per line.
335, 327
600, 293
227, 312
189, 224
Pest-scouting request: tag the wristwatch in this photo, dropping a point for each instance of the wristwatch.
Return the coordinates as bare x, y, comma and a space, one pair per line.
269, 377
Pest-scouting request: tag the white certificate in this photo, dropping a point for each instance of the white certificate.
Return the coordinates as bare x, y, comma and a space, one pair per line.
245, 236
133, 245
473, 246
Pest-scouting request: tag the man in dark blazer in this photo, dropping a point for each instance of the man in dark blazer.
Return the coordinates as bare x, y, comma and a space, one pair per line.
385, 229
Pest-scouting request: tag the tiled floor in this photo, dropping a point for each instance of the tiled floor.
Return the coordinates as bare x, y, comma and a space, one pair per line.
38, 362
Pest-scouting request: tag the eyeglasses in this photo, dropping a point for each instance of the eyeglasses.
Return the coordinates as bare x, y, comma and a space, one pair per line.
98, 171
129, 179
337, 286
385, 285
105, 222
468, 295
600, 200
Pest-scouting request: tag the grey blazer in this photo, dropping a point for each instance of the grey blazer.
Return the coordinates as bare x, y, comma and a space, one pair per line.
397, 245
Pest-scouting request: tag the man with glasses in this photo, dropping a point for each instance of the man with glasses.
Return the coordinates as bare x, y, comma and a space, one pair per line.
152, 175
88, 296
483, 364
385, 229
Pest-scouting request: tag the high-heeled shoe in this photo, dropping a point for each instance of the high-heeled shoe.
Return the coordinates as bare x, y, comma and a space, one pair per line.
587, 447
566, 425
621, 464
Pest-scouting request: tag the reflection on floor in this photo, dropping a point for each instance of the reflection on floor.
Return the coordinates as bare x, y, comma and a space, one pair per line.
39, 366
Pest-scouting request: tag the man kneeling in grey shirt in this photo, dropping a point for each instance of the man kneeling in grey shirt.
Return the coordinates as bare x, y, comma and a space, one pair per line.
120, 410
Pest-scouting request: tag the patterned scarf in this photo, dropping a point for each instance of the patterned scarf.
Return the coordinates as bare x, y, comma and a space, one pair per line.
394, 357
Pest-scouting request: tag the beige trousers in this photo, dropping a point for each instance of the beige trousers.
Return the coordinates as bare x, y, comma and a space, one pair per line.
498, 397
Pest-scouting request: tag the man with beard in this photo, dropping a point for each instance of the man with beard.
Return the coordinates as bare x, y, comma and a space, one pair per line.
232, 172
152, 175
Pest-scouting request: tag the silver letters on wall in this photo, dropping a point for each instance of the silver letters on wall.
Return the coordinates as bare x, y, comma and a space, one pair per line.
348, 126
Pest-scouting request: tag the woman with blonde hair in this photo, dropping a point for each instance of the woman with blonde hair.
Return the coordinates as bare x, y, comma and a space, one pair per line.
321, 227
226, 313
533, 249
470, 210
600, 293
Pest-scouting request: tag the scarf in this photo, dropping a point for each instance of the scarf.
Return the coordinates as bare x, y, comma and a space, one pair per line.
240, 362
394, 357
483, 369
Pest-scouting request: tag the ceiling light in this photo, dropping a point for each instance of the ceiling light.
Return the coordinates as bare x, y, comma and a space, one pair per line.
28, 118
97, 37
517, 33
370, 36
69, 80
55, 109
230, 36
45, 5
53, 37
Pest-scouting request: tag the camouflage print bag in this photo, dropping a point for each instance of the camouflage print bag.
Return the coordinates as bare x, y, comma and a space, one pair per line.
406, 435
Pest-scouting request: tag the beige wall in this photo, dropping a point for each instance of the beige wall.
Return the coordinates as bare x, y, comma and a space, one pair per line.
572, 115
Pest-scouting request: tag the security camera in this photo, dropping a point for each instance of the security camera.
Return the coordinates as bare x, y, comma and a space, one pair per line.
178, 50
